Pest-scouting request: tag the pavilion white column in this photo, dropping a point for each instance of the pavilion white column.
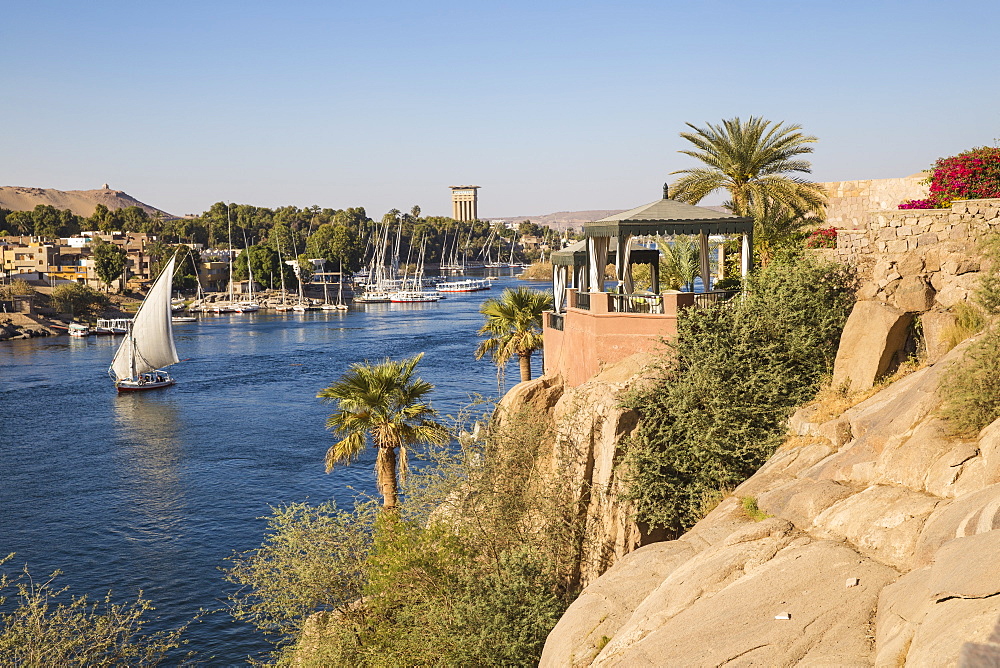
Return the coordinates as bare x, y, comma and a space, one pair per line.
722, 260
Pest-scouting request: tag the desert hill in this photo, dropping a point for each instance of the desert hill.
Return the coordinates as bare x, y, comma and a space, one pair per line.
80, 202
563, 219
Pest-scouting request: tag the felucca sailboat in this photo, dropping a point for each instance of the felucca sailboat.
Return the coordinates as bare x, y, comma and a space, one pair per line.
148, 345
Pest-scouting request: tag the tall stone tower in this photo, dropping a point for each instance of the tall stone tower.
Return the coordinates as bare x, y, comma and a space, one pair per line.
465, 202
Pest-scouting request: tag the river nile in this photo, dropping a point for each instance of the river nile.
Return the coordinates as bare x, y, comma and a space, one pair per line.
152, 491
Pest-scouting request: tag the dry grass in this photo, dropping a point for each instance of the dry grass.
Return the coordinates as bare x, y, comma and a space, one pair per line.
969, 320
711, 500
832, 402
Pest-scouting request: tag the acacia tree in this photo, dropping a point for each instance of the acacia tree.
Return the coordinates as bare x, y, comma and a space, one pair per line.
513, 327
385, 403
755, 162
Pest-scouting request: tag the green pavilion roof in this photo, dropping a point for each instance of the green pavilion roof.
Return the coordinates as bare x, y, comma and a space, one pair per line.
668, 216
575, 255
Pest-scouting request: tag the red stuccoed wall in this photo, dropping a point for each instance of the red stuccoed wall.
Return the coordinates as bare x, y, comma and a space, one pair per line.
594, 339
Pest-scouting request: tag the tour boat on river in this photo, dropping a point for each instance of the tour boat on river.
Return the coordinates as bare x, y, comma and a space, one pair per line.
414, 296
465, 285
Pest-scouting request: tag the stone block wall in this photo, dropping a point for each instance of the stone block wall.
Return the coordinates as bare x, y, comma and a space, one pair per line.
919, 260
851, 202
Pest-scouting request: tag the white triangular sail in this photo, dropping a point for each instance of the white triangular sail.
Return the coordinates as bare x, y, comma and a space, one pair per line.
150, 343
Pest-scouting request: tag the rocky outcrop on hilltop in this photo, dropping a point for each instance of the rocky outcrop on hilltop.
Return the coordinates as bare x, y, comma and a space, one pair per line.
80, 202
878, 548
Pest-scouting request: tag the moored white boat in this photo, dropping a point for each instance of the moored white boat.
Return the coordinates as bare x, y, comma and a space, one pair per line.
372, 297
414, 296
112, 325
465, 285
78, 329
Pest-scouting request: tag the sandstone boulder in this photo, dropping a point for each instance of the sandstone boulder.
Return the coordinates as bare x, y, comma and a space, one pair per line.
913, 295
874, 333
935, 325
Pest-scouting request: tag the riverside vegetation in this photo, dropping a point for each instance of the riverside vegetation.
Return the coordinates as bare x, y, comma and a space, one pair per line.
474, 567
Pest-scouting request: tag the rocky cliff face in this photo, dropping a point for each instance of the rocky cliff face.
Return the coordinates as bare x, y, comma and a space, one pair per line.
880, 548
589, 426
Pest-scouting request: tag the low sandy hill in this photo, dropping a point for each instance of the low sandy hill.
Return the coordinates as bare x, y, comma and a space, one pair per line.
563, 219
80, 202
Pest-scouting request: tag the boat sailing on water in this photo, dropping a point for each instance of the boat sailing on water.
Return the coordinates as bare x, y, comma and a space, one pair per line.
148, 345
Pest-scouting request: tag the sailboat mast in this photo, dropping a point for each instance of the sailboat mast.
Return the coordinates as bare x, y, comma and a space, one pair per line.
229, 221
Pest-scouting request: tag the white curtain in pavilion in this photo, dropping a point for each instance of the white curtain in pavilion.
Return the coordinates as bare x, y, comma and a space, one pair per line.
559, 274
598, 256
623, 266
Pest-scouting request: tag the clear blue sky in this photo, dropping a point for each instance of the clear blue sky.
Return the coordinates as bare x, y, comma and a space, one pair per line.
548, 106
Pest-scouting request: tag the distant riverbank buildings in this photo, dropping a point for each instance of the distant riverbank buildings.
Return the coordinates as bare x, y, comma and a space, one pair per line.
465, 203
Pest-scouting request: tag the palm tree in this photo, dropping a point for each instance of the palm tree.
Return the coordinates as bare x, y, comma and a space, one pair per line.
752, 161
514, 327
680, 262
385, 403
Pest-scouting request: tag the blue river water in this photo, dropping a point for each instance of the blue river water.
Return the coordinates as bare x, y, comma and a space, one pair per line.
152, 491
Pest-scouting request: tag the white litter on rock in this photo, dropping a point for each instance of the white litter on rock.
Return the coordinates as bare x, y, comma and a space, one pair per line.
783, 615
853, 582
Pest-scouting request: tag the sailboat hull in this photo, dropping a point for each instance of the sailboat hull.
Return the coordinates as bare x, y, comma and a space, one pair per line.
145, 382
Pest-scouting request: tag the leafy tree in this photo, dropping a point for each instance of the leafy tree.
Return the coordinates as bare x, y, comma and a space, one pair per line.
16, 288
733, 376
513, 327
109, 261
752, 160
21, 222
336, 243
264, 263
77, 300
100, 219
131, 219
385, 403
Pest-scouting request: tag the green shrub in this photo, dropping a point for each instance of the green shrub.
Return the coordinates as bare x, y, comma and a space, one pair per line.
969, 390
312, 559
749, 505
732, 378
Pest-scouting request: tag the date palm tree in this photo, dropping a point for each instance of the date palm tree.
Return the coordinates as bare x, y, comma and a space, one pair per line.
385, 403
754, 161
513, 327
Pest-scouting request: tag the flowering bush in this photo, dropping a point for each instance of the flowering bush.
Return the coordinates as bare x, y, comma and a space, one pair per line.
973, 174
824, 238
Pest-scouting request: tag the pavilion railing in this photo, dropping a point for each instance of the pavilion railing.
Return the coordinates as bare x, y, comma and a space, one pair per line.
704, 299
557, 321
635, 304
583, 300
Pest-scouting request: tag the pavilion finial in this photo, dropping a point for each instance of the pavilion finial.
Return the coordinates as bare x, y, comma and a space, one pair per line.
666, 192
